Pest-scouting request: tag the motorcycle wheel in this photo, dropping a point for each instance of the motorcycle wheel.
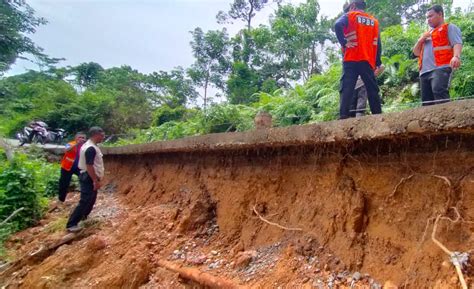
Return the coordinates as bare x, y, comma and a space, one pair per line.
37, 139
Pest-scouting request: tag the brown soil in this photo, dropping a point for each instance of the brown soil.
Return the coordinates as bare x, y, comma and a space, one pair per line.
365, 209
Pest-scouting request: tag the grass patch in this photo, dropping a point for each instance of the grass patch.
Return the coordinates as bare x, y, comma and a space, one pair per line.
56, 225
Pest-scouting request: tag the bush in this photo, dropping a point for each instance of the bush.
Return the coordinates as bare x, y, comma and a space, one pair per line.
26, 182
293, 111
227, 118
166, 114
19, 188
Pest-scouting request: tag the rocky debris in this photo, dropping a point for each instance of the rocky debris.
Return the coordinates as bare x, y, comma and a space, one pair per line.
264, 261
109, 188
356, 276
199, 212
178, 254
244, 259
196, 260
216, 264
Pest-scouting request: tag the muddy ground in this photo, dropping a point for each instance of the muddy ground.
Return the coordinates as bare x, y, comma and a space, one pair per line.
356, 214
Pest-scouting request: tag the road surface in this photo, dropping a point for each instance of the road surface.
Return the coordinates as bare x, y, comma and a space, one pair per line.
54, 148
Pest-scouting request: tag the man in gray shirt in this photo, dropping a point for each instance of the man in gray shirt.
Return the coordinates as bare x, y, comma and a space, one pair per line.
439, 53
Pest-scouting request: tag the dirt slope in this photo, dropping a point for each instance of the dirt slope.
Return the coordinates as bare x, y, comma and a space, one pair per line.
358, 208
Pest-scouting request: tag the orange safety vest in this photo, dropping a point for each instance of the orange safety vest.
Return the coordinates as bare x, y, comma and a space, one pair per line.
442, 49
69, 157
363, 33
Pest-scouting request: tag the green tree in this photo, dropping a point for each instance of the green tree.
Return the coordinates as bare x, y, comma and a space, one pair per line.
171, 88
17, 20
244, 10
243, 83
87, 74
210, 50
300, 35
393, 12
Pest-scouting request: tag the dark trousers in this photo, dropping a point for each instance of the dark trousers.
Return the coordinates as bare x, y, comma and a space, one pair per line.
435, 86
88, 198
65, 181
359, 102
351, 71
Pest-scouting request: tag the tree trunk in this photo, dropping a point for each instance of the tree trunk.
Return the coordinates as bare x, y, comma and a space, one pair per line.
249, 19
205, 92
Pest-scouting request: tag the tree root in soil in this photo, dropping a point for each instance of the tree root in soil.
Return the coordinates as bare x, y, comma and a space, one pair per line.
398, 185
198, 276
274, 224
458, 259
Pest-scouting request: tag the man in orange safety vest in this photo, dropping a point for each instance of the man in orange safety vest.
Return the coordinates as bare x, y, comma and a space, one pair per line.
69, 164
359, 36
439, 53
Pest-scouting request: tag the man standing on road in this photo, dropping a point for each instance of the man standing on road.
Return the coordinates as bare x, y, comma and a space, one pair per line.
359, 101
69, 164
358, 34
438, 52
91, 167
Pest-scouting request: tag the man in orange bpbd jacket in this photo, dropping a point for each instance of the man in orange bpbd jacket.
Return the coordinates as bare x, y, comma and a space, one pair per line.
439, 53
69, 164
358, 33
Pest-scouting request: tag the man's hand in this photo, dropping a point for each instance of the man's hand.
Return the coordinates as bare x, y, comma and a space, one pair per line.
425, 35
350, 44
97, 185
455, 62
379, 70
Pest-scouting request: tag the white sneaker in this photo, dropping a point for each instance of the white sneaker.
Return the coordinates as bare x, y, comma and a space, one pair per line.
74, 229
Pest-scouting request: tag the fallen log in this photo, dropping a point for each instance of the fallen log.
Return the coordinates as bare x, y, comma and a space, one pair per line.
198, 276
39, 255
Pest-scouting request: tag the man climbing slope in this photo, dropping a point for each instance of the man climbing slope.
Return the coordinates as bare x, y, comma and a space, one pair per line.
91, 165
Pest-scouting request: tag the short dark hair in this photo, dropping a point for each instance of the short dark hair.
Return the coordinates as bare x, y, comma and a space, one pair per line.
80, 133
437, 8
360, 5
95, 130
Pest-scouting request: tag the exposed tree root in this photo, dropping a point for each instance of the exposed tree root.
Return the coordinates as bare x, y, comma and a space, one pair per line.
274, 224
458, 259
198, 276
398, 185
448, 182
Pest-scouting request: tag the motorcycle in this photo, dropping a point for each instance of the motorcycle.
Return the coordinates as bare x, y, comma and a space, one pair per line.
37, 132
56, 136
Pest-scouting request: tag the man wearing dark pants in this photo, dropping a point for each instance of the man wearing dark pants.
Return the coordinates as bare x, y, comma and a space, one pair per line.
359, 101
358, 34
91, 167
69, 164
438, 52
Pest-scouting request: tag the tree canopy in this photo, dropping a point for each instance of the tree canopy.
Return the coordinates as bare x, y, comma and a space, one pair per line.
289, 67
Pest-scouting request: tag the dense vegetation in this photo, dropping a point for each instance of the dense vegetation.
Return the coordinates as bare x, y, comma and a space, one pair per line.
26, 183
290, 68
